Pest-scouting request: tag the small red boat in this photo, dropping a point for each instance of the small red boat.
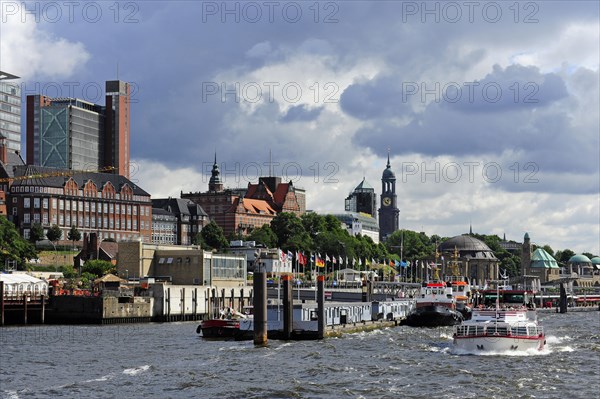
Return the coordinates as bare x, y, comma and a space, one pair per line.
227, 326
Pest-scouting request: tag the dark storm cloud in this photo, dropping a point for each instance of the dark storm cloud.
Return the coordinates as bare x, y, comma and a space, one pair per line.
301, 113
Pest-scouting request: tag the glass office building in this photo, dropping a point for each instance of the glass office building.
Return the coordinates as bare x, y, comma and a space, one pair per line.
10, 110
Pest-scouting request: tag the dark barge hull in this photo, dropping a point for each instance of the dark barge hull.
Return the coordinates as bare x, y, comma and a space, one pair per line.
433, 316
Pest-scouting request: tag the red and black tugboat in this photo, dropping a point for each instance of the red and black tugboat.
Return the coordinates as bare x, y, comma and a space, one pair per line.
436, 307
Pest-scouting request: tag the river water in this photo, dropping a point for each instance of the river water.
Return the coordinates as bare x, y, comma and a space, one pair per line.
170, 361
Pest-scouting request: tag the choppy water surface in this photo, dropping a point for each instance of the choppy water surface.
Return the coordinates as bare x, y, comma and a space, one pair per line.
170, 360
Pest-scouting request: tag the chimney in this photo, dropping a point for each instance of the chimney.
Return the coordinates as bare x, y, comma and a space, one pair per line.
94, 246
3, 156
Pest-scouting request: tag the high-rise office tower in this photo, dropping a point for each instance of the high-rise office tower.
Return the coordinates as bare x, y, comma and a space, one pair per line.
70, 133
10, 111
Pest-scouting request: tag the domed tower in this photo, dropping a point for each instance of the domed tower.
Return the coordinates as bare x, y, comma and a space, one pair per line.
214, 184
526, 255
388, 212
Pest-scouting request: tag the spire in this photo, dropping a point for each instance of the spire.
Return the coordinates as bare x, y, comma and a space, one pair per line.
504, 239
470, 229
388, 162
215, 183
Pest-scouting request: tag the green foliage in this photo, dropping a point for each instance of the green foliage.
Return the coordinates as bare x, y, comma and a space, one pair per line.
287, 225
98, 267
263, 235
87, 279
588, 254
548, 249
414, 245
12, 245
36, 233
54, 233
564, 256
74, 234
212, 237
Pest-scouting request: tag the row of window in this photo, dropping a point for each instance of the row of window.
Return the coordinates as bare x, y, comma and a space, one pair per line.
66, 220
102, 235
85, 206
78, 192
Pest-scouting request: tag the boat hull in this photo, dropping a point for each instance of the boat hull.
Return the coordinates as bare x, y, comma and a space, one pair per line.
495, 344
220, 328
433, 316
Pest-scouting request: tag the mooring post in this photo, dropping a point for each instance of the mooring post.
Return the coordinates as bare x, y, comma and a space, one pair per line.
43, 308
563, 299
2, 302
288, 306
260, 307
321, 306
25, 308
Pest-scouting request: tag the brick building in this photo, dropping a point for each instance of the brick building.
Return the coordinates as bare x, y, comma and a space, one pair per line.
108, 204
187, 218
239, 211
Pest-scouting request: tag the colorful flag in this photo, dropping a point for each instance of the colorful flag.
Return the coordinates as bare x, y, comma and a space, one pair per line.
290, 255
327, 258
334, 259
341, 260
320, 262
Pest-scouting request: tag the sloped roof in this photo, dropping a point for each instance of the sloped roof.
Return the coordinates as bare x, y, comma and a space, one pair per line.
281, 192
109, 278
363, 185
542, 259
256, 206
110, 248
259, 190
42, 176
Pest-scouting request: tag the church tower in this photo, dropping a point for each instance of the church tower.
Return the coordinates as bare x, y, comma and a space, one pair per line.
214, 184
388, 211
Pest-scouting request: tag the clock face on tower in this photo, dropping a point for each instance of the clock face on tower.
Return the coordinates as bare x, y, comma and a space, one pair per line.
387, 201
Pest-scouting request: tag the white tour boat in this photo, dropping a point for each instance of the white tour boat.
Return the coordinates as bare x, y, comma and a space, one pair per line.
510, 327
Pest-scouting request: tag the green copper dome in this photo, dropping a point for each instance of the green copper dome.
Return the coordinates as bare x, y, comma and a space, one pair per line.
579, 259
596, 260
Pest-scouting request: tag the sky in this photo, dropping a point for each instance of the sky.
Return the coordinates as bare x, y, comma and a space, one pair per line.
489, 110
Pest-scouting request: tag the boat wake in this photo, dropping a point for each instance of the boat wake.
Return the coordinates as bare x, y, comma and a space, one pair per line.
529, 352
558, 343
136, 370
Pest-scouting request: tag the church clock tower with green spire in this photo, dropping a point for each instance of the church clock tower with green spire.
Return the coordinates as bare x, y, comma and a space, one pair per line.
388, 212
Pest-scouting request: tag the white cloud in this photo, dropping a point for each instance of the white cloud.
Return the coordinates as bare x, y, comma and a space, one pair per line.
28, 50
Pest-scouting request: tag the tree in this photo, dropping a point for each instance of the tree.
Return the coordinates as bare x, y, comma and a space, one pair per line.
263, 235
36, 233
213, 237
98, 267
74, 234
12, 246
54, 233
287, 225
